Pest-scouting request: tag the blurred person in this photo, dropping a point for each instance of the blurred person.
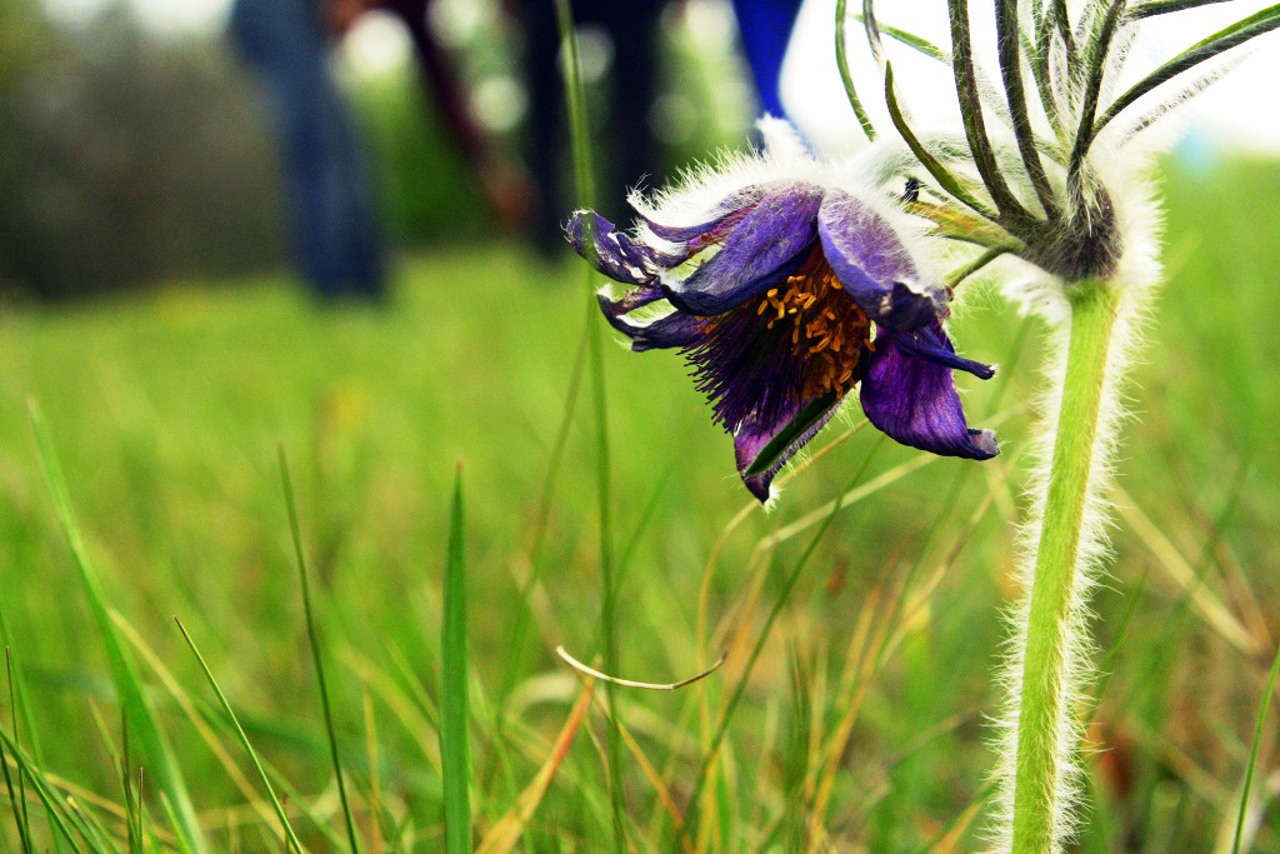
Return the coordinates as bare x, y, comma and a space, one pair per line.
630, 148
337, 238
764, 27
505, 186
765, 30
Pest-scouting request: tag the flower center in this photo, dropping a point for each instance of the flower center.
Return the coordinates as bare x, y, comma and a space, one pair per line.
796, 343
828, 330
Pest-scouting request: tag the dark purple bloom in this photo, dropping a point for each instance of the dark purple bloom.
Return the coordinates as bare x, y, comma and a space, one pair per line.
785, 296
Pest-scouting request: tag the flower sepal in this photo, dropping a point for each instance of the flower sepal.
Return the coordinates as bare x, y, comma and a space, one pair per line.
775, 454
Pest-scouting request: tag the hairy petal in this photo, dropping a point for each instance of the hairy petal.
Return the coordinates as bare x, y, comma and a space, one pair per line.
752, 437
932, 344
873, 265
766, 245
913, 400
677, 329
663, 223
614, 252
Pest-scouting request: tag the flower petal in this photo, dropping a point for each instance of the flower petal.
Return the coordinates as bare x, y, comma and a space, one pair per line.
873, 265
914, 401
677, 329
931, 343
614, 252
762, 452
765, 246
705, 222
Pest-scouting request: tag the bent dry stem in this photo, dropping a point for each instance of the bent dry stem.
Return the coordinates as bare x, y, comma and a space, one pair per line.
1045, 731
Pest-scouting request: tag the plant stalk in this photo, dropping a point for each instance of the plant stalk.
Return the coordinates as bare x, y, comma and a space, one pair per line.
1045, 734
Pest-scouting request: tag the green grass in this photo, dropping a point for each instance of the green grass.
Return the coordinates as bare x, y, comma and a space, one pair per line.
861, 724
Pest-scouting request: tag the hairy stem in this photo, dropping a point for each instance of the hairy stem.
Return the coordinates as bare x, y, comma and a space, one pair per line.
1054, 638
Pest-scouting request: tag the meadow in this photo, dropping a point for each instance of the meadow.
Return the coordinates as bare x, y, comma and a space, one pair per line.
860, 727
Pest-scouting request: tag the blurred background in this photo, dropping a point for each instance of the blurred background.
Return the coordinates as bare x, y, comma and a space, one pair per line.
146, 141
151, 141
182, 181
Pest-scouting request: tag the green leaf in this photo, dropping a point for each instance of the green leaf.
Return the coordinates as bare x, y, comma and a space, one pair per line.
455, 709
158, 754
1013, 216
911, 40
289, 835
1008, 37
1099, 48
842, 62
1163, 7
945, 179
313, 635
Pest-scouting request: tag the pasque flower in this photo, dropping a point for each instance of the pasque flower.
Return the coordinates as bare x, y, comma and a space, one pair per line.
787, 285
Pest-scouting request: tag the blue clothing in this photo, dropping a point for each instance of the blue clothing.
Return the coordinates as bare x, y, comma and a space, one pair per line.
765, 28
335, 232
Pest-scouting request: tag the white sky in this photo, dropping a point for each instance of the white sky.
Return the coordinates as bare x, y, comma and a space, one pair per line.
1235, 113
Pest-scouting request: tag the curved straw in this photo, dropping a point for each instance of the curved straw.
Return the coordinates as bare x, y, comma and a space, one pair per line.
631, 683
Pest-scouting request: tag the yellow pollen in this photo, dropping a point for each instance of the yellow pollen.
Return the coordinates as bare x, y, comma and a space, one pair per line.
829, 331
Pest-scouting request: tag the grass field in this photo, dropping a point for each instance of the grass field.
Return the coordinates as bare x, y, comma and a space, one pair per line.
862, 725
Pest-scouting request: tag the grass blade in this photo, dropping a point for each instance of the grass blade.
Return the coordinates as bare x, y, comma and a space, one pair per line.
1253, 752
541, 522
504, 834
54, 806
18, 695
313, 635
142, 721
18, 803
784, 594
454, 707
290, 836
581, 137
18, 799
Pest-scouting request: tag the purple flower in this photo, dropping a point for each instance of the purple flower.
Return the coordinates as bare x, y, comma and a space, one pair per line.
785, 295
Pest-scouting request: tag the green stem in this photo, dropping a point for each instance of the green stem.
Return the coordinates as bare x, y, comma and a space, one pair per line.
1052, 637
842, 63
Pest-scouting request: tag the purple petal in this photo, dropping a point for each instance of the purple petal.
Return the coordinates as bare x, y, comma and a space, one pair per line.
872, 264
749, 372
677, 329
931, 343
733, 204
765, 246
633, 299
752, 438
614, 252
914, 401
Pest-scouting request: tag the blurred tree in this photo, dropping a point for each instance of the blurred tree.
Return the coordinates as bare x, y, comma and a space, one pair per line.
126, 159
